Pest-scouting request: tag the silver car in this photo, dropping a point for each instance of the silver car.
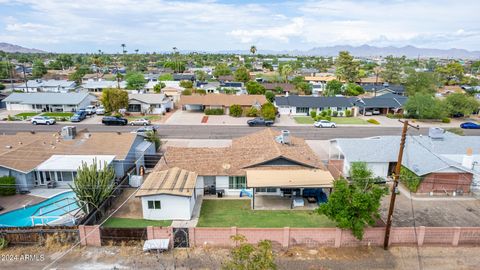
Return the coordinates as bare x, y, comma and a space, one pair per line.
140, 122
42, 120
324, 123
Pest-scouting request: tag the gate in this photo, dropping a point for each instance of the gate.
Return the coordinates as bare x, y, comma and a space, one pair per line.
180, 238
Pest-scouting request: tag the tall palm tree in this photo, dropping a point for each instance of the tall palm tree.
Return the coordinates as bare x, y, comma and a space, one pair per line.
123, 48
285, 71
253, 49
136, 51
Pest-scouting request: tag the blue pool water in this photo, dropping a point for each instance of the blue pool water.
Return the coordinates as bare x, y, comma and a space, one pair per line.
49, 210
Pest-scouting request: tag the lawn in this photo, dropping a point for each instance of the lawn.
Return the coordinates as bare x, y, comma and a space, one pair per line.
58, 114
152, 118
338, 120
229, 213
115, 222
26, 115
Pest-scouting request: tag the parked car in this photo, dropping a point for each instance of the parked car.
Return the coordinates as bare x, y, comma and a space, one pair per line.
145, 129
113, 120
140, 122
470, 125
324, 123
100, 110
78, 116
91, 109
42, 120
259, 122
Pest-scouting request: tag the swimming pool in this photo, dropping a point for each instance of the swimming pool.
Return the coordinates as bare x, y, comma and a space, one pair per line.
43, 212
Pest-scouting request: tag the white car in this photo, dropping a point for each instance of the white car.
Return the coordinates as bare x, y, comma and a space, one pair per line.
90, 109
324, 123
140, 122
100, 110
42, 120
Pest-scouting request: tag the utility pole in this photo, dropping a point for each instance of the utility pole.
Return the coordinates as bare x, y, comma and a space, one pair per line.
395, 181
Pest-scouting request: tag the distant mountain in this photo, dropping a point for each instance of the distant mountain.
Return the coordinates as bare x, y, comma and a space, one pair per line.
11, 48
371, 51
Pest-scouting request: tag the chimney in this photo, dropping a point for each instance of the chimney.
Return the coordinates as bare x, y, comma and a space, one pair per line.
467, 160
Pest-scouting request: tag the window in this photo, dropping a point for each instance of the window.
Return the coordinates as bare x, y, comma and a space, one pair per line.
154, 205
237, 182
266, 190
302, 109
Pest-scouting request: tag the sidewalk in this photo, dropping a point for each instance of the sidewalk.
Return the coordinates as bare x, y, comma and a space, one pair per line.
405, 192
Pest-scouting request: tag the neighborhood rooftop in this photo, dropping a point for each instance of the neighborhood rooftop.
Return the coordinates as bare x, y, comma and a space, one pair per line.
223, 100
47, 98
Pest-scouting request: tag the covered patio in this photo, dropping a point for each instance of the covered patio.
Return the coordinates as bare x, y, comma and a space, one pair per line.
282, 189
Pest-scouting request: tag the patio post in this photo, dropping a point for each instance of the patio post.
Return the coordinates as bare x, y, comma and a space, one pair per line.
253, 199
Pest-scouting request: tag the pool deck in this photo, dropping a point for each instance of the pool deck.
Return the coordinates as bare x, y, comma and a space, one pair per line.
10, 203
49, 192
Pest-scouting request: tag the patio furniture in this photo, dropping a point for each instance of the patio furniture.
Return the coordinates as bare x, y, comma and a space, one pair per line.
297, 202
52, 184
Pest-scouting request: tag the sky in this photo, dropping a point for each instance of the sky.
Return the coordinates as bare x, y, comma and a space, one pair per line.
209, 25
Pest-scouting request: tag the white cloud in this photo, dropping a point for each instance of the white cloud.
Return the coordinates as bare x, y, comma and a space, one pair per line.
280, 33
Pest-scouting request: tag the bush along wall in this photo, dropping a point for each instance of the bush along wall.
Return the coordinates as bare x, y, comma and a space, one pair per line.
410, 179
214, 112
7, 186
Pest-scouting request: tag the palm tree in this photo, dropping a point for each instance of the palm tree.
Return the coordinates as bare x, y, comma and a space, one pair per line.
253, 49
119, 76
136, 51
285, 71
123, 48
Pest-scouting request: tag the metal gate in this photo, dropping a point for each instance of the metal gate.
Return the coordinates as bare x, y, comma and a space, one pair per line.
180, 238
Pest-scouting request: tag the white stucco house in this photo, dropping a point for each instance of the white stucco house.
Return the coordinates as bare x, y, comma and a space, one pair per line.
39, 85
48, 102
149, 103
170, 194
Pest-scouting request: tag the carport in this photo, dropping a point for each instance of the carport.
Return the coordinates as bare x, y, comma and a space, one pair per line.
276, 189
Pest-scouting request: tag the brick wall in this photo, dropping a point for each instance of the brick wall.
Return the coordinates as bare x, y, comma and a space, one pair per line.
441, 182
335, 166
90, 235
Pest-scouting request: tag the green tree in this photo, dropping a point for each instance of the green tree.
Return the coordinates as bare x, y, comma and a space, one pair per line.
236, 110
268, 111
158, 87
245, 256
5, 70
353, 89
135, 80
2, 86
451, 73
355, 205
242, 74
255, 88
333, 87
458, 103
285, 71
270, 96
201, 75
165, 77
114, 99
304, 87
252, 112
222, 69
176, 66
78, 74
420, 82
267, 65
347, 68
186, 84
152, 136
38, 69
424, 106
65, 61
7, 186
93, 184
393, 69
253, 49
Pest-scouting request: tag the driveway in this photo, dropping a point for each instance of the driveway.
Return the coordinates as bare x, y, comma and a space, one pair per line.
195, 118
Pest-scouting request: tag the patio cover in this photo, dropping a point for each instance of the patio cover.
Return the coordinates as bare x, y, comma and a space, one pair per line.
71, 163
289, 178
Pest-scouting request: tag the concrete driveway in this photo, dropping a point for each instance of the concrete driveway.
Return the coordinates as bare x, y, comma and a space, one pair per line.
195, 118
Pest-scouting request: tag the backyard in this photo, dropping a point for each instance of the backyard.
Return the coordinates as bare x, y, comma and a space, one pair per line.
116, 222
337, 120
228, 213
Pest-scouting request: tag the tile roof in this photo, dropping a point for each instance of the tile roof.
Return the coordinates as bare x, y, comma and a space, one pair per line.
47, 98
223, 100
174, 181
245, 152
25, 151
285, 86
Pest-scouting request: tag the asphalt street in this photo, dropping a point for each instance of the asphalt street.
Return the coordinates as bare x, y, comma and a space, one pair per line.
225, 132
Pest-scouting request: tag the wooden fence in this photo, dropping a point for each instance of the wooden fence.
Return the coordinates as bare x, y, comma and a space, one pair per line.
39, 234
118, 236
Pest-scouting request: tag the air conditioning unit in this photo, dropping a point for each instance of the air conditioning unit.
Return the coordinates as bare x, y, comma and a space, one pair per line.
69, 132
436, 133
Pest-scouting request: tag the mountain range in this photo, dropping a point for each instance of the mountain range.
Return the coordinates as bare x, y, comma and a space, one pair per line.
12, 48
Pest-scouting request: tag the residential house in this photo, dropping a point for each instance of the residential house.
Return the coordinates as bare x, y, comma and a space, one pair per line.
385, 88
270, 166
449, 89
98, 86
173, 92
370, 80
49, 102
445, 162
229, 87
220, 101
226, 78
319, 82
382, 104
184, 77
303, 105
286, 87
210, 87
39, 85
149, 103
39, 159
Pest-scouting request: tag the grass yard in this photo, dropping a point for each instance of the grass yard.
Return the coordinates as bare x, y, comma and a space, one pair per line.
152, 118
228, 213
338, 120
58, 114
25, 115
115, 222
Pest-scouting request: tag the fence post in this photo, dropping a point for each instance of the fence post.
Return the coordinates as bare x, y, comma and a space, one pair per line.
286, 237
191, 236
456, 236
233, 232
81, 235
421, 236
338, 237
150, 233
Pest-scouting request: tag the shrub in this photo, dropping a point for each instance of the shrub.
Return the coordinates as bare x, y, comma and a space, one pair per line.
329, 112
270, 96
446, 120
10, 118
3, 243
313, 114
328, 118
323, 113
7, 186
214, 111
236, 110
373, 121
390, 115
187, 92
410, 179
252, 112
268, 111
348, 113
334, 114
201, 91
340, 113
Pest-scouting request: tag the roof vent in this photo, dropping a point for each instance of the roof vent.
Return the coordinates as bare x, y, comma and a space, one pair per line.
8, 146
436, 133
284, 138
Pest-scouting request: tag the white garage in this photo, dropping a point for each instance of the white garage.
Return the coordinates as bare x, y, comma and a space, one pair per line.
170, 194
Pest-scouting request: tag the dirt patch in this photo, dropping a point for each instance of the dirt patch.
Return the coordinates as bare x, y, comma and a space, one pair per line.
132, 208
